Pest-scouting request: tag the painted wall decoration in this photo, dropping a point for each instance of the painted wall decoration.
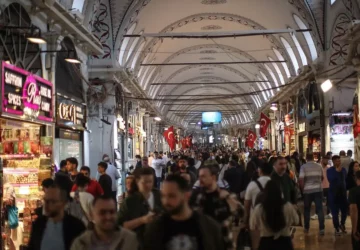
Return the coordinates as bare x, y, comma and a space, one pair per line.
339, 46
101, 30
25, 95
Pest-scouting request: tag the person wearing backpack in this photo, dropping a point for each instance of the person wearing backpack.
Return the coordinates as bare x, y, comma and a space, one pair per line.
82, 200
253, 196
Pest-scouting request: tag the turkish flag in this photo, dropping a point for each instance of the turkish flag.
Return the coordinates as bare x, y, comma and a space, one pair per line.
183, 143
264, 124
251, 139
170, 137
188, 140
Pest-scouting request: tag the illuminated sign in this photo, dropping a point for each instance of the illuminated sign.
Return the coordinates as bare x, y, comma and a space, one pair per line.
70, 114
26, 95
302, 127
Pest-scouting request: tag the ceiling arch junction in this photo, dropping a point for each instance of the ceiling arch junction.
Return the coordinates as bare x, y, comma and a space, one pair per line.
235, 75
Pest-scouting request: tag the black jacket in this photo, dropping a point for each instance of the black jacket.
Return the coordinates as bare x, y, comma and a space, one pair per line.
135, 206
106, 184
234, 177
72, 228
210, 234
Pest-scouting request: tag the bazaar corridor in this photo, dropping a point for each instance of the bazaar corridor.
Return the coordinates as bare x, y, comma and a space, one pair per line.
179, 125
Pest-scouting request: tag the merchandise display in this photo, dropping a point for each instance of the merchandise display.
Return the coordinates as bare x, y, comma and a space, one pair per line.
25, 165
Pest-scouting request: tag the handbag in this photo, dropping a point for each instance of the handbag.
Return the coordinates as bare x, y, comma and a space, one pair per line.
13, 218
243, 240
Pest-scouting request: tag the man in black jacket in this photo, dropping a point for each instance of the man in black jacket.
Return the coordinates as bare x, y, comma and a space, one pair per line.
181, 226
57, 230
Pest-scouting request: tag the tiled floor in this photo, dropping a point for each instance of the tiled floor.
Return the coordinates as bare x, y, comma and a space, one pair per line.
312, 241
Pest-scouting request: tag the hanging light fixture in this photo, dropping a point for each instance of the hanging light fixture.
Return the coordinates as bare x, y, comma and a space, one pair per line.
274, 106
157, 118
257, 125
326, 86
72, 57
35, 37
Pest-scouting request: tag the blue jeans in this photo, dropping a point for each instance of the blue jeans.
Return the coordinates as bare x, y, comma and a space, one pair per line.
158, 181
335, 209
317, 198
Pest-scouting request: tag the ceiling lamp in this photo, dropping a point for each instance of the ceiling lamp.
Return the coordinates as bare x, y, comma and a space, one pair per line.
325, 86
157, 118
257, 125
274, 106
72, 57
35, 37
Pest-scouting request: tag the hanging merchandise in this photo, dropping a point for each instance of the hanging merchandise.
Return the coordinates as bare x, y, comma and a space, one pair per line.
251, 138
264, 124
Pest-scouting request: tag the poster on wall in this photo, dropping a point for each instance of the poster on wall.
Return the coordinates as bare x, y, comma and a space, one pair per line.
26, 95
341, 138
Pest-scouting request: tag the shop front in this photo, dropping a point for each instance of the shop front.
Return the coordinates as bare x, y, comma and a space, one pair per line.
26, 128
70, 126
289, 133
301, 130
341, 132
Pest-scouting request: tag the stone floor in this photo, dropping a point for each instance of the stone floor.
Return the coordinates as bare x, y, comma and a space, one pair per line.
312, 241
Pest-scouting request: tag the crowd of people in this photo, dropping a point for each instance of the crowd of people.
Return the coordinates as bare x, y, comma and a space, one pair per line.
193, 199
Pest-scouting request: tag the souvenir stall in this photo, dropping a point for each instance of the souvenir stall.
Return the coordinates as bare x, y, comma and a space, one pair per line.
302, 132
341, 128
289, 132
25, 149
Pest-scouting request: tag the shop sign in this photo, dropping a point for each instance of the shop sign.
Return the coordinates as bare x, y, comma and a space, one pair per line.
70, 113
26, 95
302, 127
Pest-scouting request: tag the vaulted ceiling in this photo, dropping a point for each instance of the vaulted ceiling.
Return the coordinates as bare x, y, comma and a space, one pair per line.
262, 80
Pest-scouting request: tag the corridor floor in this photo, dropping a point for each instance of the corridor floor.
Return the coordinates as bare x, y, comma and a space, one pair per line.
312, 241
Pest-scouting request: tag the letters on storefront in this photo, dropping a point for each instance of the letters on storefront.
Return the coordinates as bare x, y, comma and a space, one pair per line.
26, 95
70, 114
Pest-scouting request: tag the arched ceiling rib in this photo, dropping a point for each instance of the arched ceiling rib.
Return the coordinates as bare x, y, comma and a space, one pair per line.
163, 16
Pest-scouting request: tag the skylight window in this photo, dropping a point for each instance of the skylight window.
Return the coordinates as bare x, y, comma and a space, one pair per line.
291, 53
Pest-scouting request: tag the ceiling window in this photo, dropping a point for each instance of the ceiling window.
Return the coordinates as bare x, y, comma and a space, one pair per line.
291, 53
132, 47
281, 58
332, 1
125, 43
272, 76
308, 37
137, 55
255, 101
262, 92
278, 71
266, 85
78, 5
300, 50
146, 83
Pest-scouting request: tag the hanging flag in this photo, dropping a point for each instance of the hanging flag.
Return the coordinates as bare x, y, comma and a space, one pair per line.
264, 124
183, 143
170, 137
251, 139
188, 140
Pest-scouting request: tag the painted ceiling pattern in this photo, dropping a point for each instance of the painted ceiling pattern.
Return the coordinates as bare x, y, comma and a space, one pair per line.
296, 50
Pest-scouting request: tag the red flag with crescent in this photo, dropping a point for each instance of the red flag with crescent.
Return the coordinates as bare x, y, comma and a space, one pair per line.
251, 139
188, 140
264, 124
170, 137
183, 143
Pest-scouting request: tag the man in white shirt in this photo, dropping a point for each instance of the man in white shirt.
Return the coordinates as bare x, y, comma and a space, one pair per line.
252, 191
158, 165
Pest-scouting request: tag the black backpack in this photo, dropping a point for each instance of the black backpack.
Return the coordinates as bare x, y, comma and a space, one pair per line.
260, 196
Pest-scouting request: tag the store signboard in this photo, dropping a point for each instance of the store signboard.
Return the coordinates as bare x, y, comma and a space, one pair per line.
70, 114
25, 95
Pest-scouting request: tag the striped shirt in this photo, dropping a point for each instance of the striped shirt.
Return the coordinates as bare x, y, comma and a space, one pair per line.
312, 173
